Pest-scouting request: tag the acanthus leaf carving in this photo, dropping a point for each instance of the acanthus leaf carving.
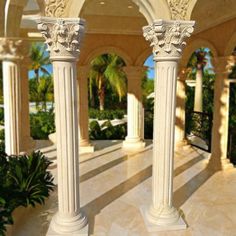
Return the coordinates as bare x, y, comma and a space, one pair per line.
167, 37
55, 8
62, 36
178, 9
10, 48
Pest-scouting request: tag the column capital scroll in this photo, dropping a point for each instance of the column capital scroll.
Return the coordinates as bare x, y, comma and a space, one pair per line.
62, 35
10, 49
167, 37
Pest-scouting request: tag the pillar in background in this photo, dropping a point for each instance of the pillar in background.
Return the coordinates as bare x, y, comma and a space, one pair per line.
198, 89
27, 143
63, 37
167, 39
134, 141
10, 55
84, 142
180, 108
222, 66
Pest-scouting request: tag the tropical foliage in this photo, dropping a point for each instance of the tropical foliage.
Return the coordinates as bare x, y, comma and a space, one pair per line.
107, 131
24, 181
106, 114
107, 72
42, 124
40, 60
41, 92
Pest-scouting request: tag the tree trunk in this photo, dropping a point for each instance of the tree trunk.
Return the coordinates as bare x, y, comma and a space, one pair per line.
102, 98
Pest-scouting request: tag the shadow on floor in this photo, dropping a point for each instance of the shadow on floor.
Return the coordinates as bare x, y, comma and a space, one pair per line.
181, 195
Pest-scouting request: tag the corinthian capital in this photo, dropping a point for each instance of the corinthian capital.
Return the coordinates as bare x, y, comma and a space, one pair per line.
10, 49
167, 37
62, 36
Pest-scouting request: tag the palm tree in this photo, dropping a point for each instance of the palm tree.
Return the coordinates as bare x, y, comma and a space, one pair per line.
108, 68
197, 63
39, 59
41, 91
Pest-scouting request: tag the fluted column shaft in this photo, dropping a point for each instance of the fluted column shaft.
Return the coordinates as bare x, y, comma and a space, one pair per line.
64, 52
11, 57
134, 105
84, 142
222, 66
167, 39
12, 106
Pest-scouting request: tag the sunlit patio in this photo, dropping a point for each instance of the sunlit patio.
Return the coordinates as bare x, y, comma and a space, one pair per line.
114, 185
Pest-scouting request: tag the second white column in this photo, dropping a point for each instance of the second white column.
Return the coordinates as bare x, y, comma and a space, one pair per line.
167, 39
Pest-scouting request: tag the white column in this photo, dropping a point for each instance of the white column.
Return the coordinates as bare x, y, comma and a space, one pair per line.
180, 108
84, 142
27, 143
63, 38
9, 53
222, 66
134, 141
167, 39
198, 90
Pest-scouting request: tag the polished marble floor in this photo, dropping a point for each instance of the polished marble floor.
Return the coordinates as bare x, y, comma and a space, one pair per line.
114, 185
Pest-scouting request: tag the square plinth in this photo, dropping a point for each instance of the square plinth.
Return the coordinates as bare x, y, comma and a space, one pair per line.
81, 232
179, 225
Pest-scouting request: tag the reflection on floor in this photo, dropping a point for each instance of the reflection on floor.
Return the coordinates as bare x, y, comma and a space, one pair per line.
115, 184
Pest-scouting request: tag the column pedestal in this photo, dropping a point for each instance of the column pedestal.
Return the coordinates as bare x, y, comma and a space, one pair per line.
63, 37
166, 37
134, 140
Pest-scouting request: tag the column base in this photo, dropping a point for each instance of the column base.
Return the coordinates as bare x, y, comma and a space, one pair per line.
226, 164
178, 224
133, 144
223, 164
87, 149
76, 226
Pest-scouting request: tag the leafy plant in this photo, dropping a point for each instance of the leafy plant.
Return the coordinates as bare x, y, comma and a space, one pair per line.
107, 131
106, 114
42, 124
107, 70
1, 116
24, 181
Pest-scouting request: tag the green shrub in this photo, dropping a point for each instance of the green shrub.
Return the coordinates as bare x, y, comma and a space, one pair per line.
2, 134
106, 114
42, 124
24, 181
107, 131
1, 116
148, 125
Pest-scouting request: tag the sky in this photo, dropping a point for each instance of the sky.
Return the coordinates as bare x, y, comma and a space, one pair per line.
150, 64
